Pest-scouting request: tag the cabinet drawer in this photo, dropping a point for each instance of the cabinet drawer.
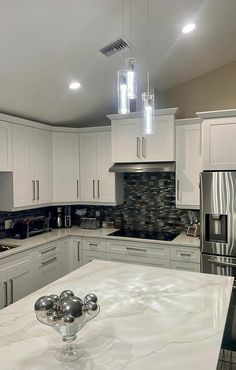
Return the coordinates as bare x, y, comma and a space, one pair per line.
47, 250
97, 245
139, 249
185, 266
185, 254
138, 260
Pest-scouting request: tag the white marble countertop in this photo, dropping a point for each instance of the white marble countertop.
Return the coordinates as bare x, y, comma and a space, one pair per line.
150, 319
25, 244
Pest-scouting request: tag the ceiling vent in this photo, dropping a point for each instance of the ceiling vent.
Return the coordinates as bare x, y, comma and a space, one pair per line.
115, 47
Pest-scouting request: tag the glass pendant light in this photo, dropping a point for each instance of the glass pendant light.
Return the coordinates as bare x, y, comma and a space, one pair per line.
131, 78
122, 87
148, 97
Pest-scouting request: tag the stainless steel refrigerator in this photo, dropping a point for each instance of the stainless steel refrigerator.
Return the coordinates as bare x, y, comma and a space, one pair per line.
218, 236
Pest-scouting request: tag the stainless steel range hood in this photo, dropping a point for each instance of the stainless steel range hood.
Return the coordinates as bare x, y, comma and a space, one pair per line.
143, 167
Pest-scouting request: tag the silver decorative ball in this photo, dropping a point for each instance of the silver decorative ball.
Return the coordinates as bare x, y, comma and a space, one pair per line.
68, 319
42, 307
90, 298
66, 293
91, 308
72, 306
55, 297
52, 318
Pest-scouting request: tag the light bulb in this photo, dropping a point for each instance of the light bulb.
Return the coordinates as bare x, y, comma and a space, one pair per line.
74, 85
122, 87
189, 28
148, 113
131, 78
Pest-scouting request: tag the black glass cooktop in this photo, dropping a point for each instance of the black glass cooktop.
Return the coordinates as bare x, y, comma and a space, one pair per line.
145, 235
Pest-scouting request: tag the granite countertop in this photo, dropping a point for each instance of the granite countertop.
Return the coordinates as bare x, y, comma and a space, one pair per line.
25, 244
150, 318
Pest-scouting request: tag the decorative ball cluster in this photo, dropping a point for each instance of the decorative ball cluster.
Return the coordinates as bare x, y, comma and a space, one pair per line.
66, 309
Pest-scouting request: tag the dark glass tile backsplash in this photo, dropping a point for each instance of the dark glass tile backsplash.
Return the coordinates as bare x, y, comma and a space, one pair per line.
149, 205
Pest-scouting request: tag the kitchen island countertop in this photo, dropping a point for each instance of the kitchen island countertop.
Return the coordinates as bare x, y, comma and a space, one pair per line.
150, 319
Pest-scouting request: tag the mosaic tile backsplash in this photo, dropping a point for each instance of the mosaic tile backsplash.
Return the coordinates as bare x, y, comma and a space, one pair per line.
149, 205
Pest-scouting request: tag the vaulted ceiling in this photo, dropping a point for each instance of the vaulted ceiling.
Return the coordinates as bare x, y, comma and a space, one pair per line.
48, 43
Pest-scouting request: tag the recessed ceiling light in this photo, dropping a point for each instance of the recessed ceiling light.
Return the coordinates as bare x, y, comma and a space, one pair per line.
74, 85
189, 27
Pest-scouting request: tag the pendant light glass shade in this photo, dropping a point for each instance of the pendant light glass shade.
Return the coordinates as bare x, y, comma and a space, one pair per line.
122, 87
131, 78
148, 112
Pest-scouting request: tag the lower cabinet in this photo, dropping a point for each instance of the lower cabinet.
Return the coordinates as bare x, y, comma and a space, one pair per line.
93, 249
185, 266
75, 253
49, 263
16, 278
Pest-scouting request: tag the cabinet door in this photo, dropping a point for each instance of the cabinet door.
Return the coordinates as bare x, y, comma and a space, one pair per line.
88, 166
23, 194
43, 166
65, 158
159, 146
105, 179
219, 150
75, 254
5, 146
126, 142
89, 256
20, 278
3, 290
188, 165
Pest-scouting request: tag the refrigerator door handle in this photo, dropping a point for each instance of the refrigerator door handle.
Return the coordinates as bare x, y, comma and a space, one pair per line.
219, 263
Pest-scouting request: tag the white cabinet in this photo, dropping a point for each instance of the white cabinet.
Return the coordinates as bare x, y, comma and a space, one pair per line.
129, 144
16, 278
219, 149
140, 253
93, 249
5, 146
185, 266
30, 183
75, 253
97, 184
188, 163
49, 261
65, 159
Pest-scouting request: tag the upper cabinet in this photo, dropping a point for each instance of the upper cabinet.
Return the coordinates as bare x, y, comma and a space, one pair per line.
65, 160
97, 184
5, 146
219, 133
130, 144
188, 162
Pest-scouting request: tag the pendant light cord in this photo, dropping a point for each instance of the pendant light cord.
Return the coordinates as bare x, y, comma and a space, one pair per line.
148, 25
123, 26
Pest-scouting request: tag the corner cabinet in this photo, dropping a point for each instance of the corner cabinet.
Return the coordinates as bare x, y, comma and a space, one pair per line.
65, 164
219, 133
5, 146
188, 162
97, 184
130, 144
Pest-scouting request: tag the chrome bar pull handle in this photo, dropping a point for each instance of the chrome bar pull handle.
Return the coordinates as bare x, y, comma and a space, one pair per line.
33, 190
77, 187
93, 189
78, 251
143, 147
136, 249
37, 183
49, 261
138, 147
11, 289
6, 294
98, 183
177, 189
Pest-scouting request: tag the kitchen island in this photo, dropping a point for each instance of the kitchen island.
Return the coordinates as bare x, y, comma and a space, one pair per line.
150, 319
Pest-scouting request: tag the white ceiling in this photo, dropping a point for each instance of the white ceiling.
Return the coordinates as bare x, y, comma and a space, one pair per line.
48, 43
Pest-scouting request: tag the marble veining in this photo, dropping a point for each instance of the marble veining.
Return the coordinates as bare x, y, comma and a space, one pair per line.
150, 319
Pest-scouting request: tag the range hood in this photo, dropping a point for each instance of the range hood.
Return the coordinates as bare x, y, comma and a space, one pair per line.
143, 167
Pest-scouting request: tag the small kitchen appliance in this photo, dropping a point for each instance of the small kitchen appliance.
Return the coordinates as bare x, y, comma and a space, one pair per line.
67, 216
89, 223
59, 222
25, 228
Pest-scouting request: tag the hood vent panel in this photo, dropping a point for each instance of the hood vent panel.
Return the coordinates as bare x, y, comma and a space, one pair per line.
115, 47
143, 167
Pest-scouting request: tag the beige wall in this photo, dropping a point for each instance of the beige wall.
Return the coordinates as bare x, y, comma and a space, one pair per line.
211, 91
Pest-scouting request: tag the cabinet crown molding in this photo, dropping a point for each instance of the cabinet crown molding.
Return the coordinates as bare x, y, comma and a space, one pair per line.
217, 113
157, 112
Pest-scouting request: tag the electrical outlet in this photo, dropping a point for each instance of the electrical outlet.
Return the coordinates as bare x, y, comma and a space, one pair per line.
8, 224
